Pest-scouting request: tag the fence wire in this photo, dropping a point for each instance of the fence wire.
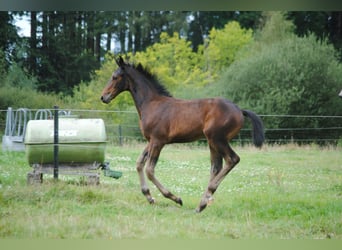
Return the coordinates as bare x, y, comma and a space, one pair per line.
122, 127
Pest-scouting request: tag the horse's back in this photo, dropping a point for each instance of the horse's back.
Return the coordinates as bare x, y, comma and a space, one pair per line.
223, 118
190, 120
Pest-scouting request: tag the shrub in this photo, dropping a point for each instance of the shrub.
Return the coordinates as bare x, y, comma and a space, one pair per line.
223, 46
293, 76
18, 90
299, 76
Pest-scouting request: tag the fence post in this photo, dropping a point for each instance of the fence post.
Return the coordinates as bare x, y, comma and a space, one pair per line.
55, 143
120, 135
9, 122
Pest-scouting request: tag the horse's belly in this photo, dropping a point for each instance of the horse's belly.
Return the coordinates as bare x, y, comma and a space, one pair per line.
183, 139
185, 134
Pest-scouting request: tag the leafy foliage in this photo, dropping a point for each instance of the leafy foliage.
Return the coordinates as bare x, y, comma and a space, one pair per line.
17, 89
274, 28
271, 70
224, 45
17, 97
286, 78
87, 94
293, 75
9, 39
173, 61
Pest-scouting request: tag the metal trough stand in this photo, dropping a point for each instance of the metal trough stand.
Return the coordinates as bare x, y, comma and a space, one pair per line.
91, 171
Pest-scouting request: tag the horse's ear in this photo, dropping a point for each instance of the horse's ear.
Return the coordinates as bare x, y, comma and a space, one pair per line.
139, 67
120, 62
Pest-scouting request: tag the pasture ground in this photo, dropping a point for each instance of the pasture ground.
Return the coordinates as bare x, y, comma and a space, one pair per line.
278, 192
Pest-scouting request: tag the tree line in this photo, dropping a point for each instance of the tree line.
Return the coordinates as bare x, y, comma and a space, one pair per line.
271, 71
271, 68
65, 48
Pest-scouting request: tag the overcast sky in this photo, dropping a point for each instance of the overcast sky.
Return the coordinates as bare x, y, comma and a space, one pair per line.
23, 23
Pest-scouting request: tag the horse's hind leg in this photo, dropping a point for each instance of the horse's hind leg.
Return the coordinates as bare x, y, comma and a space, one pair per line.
216, 166
153, 155
231, 159
216, 163
140, 168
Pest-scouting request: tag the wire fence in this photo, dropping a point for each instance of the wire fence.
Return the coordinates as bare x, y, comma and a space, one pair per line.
122, 127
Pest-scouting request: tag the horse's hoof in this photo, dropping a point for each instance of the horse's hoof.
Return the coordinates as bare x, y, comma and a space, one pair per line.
151, 200
179, 201
201, 208
198, 210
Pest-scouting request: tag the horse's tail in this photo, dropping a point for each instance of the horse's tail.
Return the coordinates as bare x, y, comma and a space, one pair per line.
258, 128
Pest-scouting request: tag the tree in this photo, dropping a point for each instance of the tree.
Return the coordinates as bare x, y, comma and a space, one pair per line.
145, 27
173, 61
61, 54
223, 45
65, 48
3, 67
9, 39
274, 27
86, 95
203, 21
324, 24
33, 44
291, 75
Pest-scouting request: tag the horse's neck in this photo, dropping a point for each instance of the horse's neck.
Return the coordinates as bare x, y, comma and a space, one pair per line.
142, 95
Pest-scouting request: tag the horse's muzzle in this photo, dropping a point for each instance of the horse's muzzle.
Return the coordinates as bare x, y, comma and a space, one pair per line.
105, 100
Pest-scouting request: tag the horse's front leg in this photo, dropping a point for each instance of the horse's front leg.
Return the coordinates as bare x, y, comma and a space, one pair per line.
153, 155
140, 168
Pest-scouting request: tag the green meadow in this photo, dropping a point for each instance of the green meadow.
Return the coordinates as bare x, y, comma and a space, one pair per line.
278, 192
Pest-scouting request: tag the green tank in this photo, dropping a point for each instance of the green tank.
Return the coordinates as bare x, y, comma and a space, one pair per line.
80, 141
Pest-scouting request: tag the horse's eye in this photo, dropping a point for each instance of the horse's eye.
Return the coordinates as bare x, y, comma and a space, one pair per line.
115, 78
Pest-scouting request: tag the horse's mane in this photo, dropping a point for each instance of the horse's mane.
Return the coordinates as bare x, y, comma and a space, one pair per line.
153, 79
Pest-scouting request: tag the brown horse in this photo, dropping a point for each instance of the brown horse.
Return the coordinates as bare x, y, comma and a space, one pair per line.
164, 120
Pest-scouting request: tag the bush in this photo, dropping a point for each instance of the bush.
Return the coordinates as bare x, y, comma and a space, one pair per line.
223, 46
16, 97
298, 76
18, 90
87, 95
293, 76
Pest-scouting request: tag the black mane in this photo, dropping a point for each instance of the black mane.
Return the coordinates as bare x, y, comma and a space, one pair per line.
156, 84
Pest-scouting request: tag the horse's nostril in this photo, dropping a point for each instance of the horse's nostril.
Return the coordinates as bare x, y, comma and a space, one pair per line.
101, 98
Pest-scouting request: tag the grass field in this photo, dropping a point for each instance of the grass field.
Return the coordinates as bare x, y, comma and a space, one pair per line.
283, 192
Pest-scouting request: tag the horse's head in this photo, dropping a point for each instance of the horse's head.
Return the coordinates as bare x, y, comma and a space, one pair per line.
116, 84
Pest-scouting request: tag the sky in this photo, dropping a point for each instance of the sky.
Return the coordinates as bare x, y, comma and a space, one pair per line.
23, 23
